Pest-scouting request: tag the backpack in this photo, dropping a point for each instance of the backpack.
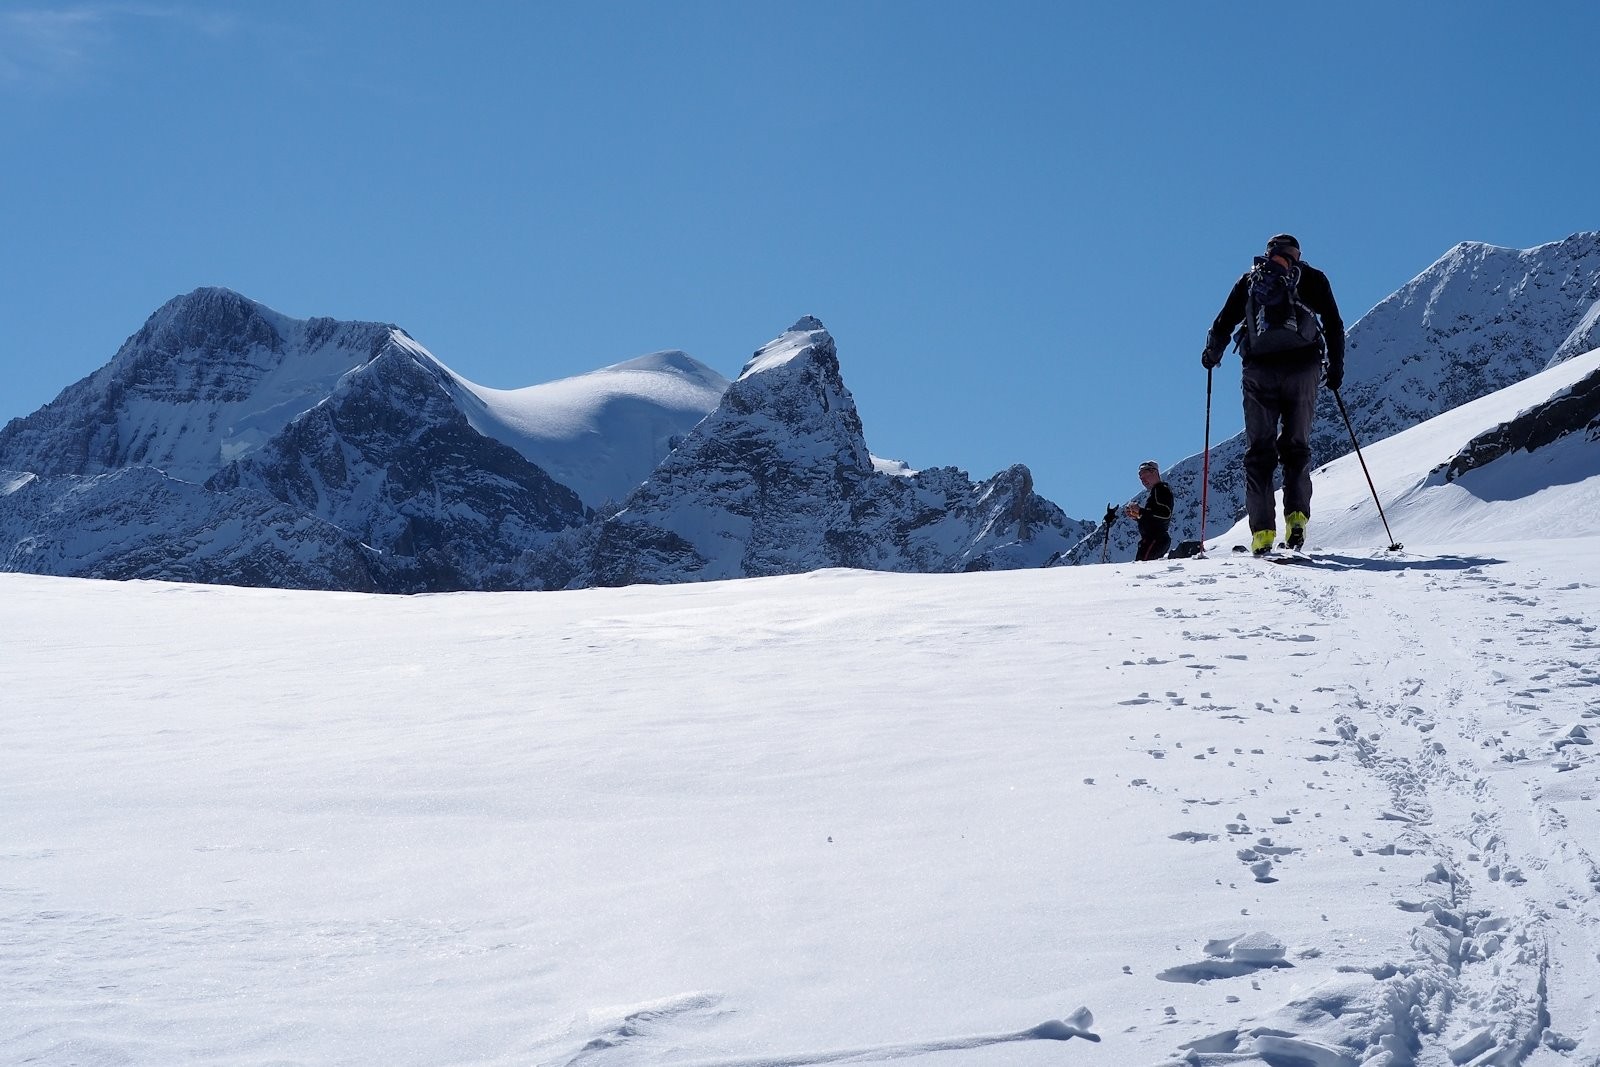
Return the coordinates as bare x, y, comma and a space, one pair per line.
1275, 320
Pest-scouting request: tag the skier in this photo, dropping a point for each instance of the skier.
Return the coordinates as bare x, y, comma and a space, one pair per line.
1281, 343
1156, 514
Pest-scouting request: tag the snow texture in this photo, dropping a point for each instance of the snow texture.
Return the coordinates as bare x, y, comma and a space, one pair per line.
602, 433
1180, 813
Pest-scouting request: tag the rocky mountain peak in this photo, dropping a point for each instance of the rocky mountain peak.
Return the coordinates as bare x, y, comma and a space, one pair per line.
209, 319
210, 376
778, 480
792, 390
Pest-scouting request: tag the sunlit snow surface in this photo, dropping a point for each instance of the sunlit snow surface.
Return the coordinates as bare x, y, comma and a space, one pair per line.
600, 433
1240, 812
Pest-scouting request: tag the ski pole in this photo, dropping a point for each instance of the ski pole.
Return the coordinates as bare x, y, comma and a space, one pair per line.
1394, 546
1205, 465
1105, 544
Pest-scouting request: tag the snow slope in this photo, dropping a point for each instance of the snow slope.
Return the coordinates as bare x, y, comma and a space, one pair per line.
1242, 813
1422, 503
643, 826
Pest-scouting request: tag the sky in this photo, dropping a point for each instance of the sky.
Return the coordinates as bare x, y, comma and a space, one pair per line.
1330, 813
1017, 226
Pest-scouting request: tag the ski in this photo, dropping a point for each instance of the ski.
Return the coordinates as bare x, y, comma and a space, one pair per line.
1283, 554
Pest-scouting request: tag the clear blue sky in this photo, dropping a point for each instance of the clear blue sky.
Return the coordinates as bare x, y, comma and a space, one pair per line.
1017, 219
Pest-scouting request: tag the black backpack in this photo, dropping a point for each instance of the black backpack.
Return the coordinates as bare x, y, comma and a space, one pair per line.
1275, 320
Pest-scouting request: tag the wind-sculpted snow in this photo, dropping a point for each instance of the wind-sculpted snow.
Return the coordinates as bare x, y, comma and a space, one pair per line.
602, 433
1476, 321
779, 480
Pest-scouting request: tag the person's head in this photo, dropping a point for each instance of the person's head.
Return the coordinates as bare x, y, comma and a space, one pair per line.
1283, 246
1149, 473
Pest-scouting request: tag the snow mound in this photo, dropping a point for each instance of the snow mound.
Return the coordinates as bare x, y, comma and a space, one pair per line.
600, 433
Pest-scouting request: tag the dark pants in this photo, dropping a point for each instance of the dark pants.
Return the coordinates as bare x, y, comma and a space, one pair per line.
1279, 402
1153, 546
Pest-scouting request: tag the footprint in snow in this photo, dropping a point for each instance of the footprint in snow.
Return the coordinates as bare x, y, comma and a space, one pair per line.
1232, 958
614, 1028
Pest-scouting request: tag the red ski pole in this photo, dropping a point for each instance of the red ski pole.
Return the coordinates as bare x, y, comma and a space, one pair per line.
1205, 465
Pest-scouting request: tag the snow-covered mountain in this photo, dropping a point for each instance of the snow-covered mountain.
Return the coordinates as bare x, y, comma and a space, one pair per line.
390, 458
339, 449
1477, 320
360, 456
210, 377
779, 480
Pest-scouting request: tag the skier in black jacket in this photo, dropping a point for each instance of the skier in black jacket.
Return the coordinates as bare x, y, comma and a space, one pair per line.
1156, 514
1280, 392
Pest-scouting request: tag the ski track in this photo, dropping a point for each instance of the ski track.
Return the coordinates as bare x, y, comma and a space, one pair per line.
1468, 769
1479, 981
657, 1021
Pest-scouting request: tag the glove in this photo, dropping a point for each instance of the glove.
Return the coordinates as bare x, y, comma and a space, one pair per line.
1334, 376
1215, 346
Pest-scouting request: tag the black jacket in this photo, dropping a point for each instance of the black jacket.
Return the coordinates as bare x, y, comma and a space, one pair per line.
1156, 512
1315, 292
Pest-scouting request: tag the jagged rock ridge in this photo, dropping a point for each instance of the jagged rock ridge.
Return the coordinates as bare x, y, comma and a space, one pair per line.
779, 479
140, 523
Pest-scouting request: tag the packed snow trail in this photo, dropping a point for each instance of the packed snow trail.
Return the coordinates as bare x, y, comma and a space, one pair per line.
1470, 736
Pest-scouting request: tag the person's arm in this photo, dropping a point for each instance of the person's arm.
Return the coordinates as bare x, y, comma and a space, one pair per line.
1160, 507
1231, 315
1318, 296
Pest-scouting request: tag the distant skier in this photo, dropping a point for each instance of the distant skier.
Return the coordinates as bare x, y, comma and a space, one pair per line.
1281, 344
1156, 514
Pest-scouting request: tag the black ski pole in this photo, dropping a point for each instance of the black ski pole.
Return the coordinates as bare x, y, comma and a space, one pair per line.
1394, 546
1105, 543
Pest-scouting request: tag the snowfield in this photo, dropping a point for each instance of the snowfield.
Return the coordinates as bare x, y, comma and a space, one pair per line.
1216, 811
1241, 812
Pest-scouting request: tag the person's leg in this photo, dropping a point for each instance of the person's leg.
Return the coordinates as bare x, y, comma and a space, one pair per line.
1299, 399
1261, 446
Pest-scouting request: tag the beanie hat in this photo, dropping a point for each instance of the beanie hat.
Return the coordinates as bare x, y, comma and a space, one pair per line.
1283, 241
1149, 465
